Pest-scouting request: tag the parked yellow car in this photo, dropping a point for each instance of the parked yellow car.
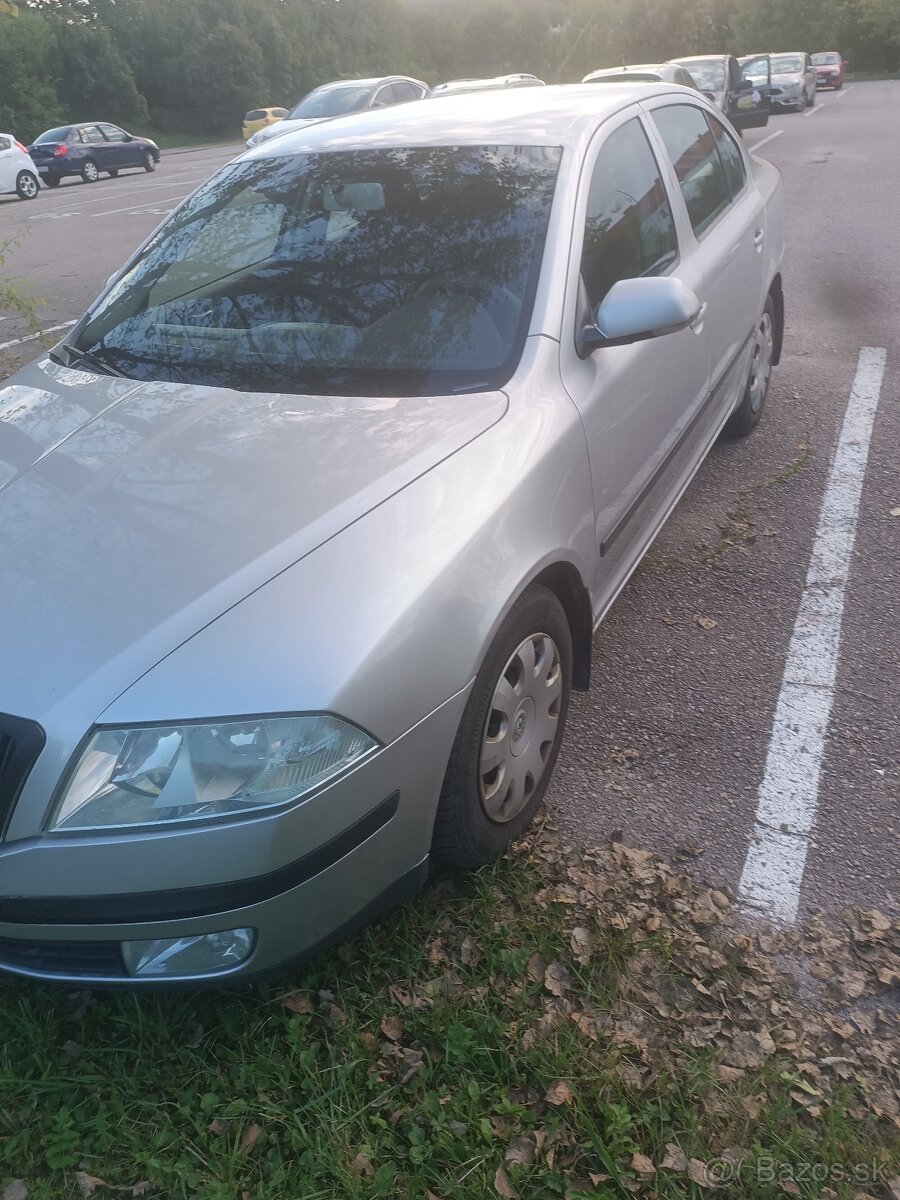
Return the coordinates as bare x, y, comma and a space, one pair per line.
259, 118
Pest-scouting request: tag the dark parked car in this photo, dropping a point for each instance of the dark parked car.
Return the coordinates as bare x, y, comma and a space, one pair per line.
90, 149
729, 85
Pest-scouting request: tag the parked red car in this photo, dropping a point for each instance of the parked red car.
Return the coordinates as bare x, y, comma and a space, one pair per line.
830, 68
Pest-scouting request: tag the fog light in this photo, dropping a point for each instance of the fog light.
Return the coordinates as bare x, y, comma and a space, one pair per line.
208, 954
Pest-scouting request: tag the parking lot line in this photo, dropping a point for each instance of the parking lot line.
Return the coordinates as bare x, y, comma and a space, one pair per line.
32, 337
137, 205
177, 181
762, 142
843, 92
788, 795
811, 112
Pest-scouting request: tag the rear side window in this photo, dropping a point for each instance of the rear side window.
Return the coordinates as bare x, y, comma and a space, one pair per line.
629, 229
255, 114
404, 91
692, 149
277, 112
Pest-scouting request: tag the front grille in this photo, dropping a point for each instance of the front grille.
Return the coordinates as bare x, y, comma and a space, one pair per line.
103, 959
21, 742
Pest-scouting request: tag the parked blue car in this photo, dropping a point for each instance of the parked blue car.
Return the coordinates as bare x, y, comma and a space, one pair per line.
90, 149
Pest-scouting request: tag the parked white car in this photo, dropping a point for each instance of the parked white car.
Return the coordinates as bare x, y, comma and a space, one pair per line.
17, 172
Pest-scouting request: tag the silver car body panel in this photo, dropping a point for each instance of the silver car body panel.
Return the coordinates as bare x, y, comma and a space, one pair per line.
174, 552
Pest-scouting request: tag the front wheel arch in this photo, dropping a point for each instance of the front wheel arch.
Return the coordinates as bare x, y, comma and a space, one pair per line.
564, 581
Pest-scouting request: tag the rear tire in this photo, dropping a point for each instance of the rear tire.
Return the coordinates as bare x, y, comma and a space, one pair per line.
746, 416
89, 171
509, 735
27, 186
149, 162
52, 180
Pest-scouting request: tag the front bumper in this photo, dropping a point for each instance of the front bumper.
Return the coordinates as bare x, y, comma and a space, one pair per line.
299, 878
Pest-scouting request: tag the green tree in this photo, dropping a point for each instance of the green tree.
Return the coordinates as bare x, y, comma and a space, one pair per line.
95, 81
28, 102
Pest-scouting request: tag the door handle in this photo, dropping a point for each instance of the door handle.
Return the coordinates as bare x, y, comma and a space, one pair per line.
759, 236
697, 323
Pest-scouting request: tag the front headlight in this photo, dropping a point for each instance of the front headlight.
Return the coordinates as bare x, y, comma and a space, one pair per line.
203, 772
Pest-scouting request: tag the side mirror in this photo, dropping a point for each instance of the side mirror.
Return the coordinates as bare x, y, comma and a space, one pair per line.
635, 310
128, 137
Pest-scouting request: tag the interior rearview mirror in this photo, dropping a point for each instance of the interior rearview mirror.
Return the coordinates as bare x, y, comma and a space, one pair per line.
635, 310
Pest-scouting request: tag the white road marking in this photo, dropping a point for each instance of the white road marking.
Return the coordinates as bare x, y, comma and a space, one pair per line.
788, 795
53, 216
811, 112
843, 92
32, 337
756, 145
122, 192
136, 205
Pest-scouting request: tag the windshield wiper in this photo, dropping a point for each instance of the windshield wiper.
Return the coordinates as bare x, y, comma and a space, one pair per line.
86, 358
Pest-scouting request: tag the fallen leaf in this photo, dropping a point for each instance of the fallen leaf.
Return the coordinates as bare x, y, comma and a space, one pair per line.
521, 1150
792, 1189
699, 1173
559, 1093
895, 512
502, 1186
470, 951
298, 1002
16, 1190
557, 979
218, 1127
88, 1183
536, 967
392, 1027
582, 942
642, 1165
667, 620
675, 1159
893, 1185
705, 622
362, 1166
249, 1138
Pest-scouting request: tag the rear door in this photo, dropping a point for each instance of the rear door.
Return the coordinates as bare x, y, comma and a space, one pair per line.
641, 403
726, 219
8, 160
98, 148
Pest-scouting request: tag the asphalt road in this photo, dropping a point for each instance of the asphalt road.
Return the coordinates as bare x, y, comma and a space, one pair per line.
677, 743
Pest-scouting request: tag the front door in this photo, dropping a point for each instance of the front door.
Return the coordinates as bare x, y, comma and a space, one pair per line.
640, 404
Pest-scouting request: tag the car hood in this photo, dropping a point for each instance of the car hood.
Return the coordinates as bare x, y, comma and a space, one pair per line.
286, 126
784, 77
133, 514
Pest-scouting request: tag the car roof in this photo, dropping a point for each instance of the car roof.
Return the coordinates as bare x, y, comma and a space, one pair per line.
629, 67
701, 58
375, 81
539, 116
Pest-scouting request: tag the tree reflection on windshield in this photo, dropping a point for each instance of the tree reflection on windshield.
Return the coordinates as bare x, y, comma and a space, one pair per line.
384, 272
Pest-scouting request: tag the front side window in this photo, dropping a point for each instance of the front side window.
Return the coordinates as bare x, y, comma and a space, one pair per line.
113, 133
629, 229
732, 161
404, 91
788, 64
93, 134
378, 272
692, 149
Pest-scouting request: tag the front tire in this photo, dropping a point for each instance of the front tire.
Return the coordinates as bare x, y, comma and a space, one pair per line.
746, 416
509, 736
27, 186
90, 173
149, 162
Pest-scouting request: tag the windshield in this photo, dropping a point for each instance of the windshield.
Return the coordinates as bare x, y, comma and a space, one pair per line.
54, 135
708, 74
787, 64
821, 60
379, 273
331, 102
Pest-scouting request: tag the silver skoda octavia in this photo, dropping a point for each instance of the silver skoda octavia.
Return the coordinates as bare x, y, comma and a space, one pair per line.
306, 526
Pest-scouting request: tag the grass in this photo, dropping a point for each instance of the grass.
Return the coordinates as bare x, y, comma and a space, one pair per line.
501, 1035
184, 141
